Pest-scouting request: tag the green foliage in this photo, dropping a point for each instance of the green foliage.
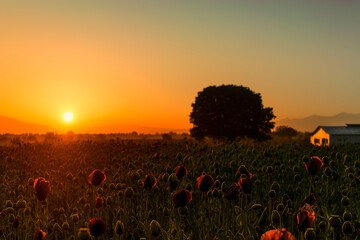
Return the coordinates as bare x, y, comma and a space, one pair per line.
230, 111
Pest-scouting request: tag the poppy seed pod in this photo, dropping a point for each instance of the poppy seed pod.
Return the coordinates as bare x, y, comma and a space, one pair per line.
232, 192
314, 165
97, 227
305, 217
182, 198
149, 182
155, 228
277, 234
180, 171
97, 177
205, 182
119, 228
39, 234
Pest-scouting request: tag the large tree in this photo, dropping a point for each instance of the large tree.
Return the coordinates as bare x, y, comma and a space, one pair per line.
230, 111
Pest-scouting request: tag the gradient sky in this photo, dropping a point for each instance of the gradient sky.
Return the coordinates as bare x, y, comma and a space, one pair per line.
121, 64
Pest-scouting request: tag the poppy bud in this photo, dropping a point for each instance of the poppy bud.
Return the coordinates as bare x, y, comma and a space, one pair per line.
149, 182
275, 217
65, 226
310, 234
335, 221
346, 216
97, 177
205, 182
39, 234
119, 228
314, 165
155, 228
322, 225
345, 201
181, 198
180, 171
84, 234
129, 192
97, 227
347, 228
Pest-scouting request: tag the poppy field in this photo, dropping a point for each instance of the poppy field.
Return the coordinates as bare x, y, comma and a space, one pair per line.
180, 189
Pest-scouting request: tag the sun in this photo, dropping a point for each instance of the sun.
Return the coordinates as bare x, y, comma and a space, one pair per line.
68, 116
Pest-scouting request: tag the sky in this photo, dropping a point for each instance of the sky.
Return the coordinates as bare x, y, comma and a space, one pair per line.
117, 65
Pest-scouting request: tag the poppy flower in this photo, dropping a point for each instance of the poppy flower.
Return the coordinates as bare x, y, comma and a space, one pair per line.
99, 202
245, 185
181, 198
42, 188
232, 191
39, 234
180, 171
204, 182
311, 200
277, 235
149, 182
313, 165
97, 227
97, 177
305, 217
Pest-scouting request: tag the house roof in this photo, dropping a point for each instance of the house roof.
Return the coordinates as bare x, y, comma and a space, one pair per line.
350, 129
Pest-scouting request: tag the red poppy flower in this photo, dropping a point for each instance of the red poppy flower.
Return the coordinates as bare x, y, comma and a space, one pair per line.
311, 200
313, 165
99, 202
97, 227
37, 181
277, 235
204, 182
305, 217
245, 185
232, 191
42, 188
39, 234
149, 182
182, 198
180, 171
97, 177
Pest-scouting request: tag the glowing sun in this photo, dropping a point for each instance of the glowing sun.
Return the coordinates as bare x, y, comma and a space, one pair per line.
68, 116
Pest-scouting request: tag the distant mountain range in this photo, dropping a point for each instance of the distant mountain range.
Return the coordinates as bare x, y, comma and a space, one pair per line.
310, 123
14, 126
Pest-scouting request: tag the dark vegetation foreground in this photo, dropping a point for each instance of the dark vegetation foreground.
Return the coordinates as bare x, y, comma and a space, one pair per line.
231, 191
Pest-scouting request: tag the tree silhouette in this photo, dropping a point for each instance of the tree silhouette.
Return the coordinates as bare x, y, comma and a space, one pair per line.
230, 111
285, 131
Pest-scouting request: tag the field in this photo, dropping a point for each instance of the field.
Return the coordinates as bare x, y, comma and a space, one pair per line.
137, 199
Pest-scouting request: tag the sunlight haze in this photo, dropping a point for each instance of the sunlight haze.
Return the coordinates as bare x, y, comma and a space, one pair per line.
119, 65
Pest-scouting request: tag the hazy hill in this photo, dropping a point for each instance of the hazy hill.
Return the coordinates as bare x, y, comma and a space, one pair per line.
310, 123
14, 126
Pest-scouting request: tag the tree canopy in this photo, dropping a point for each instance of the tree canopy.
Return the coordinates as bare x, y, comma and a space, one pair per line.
230, 111
285, 131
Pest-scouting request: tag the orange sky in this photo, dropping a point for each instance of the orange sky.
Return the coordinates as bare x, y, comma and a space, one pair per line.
118, 66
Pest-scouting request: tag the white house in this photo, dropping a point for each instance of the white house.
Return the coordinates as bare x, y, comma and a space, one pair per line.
325, 135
